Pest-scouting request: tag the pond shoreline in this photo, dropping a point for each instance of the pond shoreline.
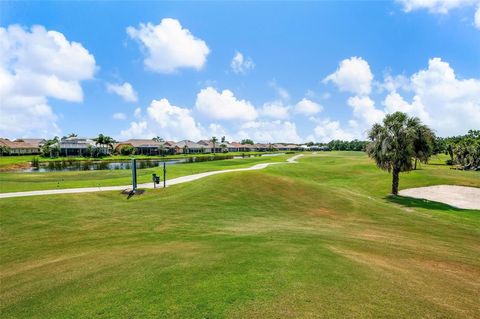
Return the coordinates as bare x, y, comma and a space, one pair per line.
80, 164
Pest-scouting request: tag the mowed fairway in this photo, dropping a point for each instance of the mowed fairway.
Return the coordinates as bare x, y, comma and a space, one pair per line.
320, 238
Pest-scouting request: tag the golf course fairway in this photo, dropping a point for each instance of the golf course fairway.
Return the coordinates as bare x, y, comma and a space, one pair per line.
321, 238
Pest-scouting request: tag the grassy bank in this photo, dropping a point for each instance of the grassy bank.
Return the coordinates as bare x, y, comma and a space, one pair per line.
321, 238
16, 182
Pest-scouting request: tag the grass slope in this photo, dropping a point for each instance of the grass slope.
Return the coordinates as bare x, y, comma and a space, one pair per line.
317, 239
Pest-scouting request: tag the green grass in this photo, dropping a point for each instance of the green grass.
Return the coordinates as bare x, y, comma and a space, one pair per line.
15, 181
317, 239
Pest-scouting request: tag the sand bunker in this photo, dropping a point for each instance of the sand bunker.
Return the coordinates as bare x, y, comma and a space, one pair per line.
456, 196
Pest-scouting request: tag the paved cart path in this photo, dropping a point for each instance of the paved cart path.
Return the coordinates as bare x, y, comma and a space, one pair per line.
174, 181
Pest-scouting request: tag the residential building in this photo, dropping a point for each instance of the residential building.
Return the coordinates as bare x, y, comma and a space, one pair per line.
19, 147
78, 146
189, 147
146, 146
37, 142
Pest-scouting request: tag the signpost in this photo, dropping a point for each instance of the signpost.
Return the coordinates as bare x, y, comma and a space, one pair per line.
164, 175
134, 175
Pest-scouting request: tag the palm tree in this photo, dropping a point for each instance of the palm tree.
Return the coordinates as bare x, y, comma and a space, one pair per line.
392, 144
99, 140
423, 144
214, 140
158, 139
108, 141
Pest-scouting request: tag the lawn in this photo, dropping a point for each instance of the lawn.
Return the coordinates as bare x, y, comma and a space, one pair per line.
321, 238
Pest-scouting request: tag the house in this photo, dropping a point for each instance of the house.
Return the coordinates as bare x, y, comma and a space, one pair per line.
78, 146
291, 147
208, 146
189, 147
236, 147
37, 142
262, 147
19, 147
146, 146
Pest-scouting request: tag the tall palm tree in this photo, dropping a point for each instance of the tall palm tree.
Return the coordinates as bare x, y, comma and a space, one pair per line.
392, 144
423, 144
158, 139
108, 141
214, 140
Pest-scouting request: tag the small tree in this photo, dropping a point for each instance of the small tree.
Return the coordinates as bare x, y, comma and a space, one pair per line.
423, 144
127, 150
247, 141
4, 150
392, 144
214, 141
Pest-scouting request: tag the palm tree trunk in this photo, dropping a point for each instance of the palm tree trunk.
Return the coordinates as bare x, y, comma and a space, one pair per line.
395, 180
415, 164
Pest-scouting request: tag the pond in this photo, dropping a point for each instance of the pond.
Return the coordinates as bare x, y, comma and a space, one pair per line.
75, 165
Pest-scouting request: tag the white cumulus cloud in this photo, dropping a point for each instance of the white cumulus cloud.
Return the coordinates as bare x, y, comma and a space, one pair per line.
168, 46
36, 65
269, 131
448, 104
240, 64
274, 110
125, 91
307, 107
166, 120
435, 6
328, 130
224, 105
364, 109
353, 75
442, 7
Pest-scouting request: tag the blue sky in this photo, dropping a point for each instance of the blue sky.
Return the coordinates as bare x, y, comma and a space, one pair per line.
310, 70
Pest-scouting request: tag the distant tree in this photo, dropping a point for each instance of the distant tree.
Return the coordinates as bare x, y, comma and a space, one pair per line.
51, 148
185, 149
423, 144
127, 150
392, 146
4, 150
223, 139
72, 135
214, 141
105, 142
466, 151
158, 139
310, 144
247, 141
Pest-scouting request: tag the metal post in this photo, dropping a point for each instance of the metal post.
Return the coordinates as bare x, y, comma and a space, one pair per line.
134, 174
164, 175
